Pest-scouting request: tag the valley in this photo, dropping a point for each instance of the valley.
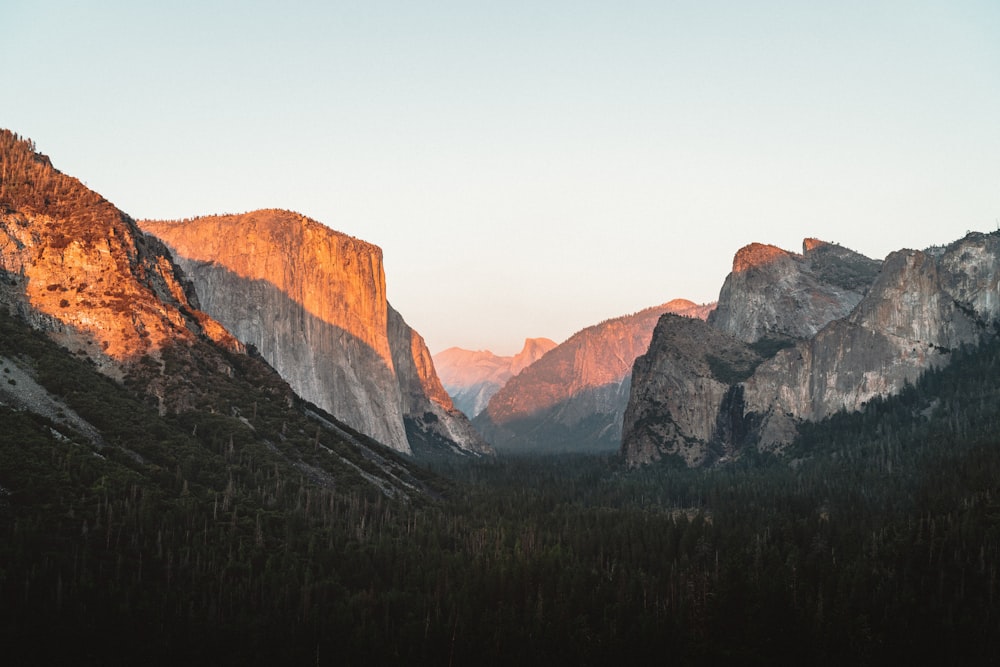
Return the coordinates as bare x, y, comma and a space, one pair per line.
220, 444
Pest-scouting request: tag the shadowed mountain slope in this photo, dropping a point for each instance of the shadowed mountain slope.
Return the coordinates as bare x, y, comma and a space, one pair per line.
573, 398
312, 301
833, 331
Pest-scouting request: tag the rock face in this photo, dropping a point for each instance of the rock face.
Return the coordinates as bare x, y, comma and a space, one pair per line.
431, 420
775, 293
906, 318
573, 397
312, 302
913, 316
683, 393
74, 266
473, 377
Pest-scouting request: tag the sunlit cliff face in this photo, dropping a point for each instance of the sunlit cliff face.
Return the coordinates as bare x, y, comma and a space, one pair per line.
81, 268
757, 254
424, 364
334, 277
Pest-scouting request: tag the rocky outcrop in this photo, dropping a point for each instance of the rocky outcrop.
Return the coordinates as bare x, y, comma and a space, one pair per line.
683, 394
773, 293
312, 302
471, 378
912, 318
573, 397
74, 266
431, 420
918, 308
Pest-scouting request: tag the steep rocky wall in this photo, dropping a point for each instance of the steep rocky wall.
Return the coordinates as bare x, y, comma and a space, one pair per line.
321, 361
912, 318
312, 302
334, 277
919, 307
574, 396
679, 393
428, 411
77, 268
775, 293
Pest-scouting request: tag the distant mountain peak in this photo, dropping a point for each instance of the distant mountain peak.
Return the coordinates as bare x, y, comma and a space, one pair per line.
574, 396
532, 351
472, 377
535, 343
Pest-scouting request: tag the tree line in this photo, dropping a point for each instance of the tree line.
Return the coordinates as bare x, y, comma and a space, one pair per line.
876, 537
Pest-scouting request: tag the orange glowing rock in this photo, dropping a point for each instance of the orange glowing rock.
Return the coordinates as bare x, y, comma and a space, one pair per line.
335, 277
81, 270
755, 255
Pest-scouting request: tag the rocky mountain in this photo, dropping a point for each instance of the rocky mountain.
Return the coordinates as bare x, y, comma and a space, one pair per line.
682, 393
433, 424
78, 269
312, 302
573, 397
800, 337
106, 357
779, 294
472, 377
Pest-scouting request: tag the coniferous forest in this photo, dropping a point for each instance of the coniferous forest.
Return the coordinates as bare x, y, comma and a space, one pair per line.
875, 538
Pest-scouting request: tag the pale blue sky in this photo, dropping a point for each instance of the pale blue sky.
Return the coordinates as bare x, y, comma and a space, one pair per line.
529, 168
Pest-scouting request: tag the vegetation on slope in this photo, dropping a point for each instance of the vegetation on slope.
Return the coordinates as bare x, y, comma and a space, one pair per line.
190, 538
181, 532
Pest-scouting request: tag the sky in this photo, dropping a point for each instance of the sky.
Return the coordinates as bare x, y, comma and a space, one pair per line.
528, 168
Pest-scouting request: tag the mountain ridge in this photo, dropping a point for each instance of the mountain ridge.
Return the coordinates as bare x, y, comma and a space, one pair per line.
574, 396
472, 377
77, 268
312, 301
830, 332
104, 346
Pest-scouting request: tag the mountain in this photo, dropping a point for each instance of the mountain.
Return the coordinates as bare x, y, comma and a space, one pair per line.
573, 397
472, 377
775, 293
800, 337
167, 499
433, 425
683, 391
160, 484
78, 269
80, 272
312, 302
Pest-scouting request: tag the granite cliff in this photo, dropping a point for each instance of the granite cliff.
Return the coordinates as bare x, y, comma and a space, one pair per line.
117, 390
433, 424
312, 302
76, 268
573, 397
473, 377
803, 336
682, 391
922, 306
775, 293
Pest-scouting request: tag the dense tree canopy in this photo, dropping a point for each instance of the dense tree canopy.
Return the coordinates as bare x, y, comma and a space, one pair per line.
186, 538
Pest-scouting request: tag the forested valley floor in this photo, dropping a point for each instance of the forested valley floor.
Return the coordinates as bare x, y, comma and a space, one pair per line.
876, 538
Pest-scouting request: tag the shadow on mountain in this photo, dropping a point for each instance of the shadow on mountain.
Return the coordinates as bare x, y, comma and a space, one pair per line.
323, 363
588, 421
